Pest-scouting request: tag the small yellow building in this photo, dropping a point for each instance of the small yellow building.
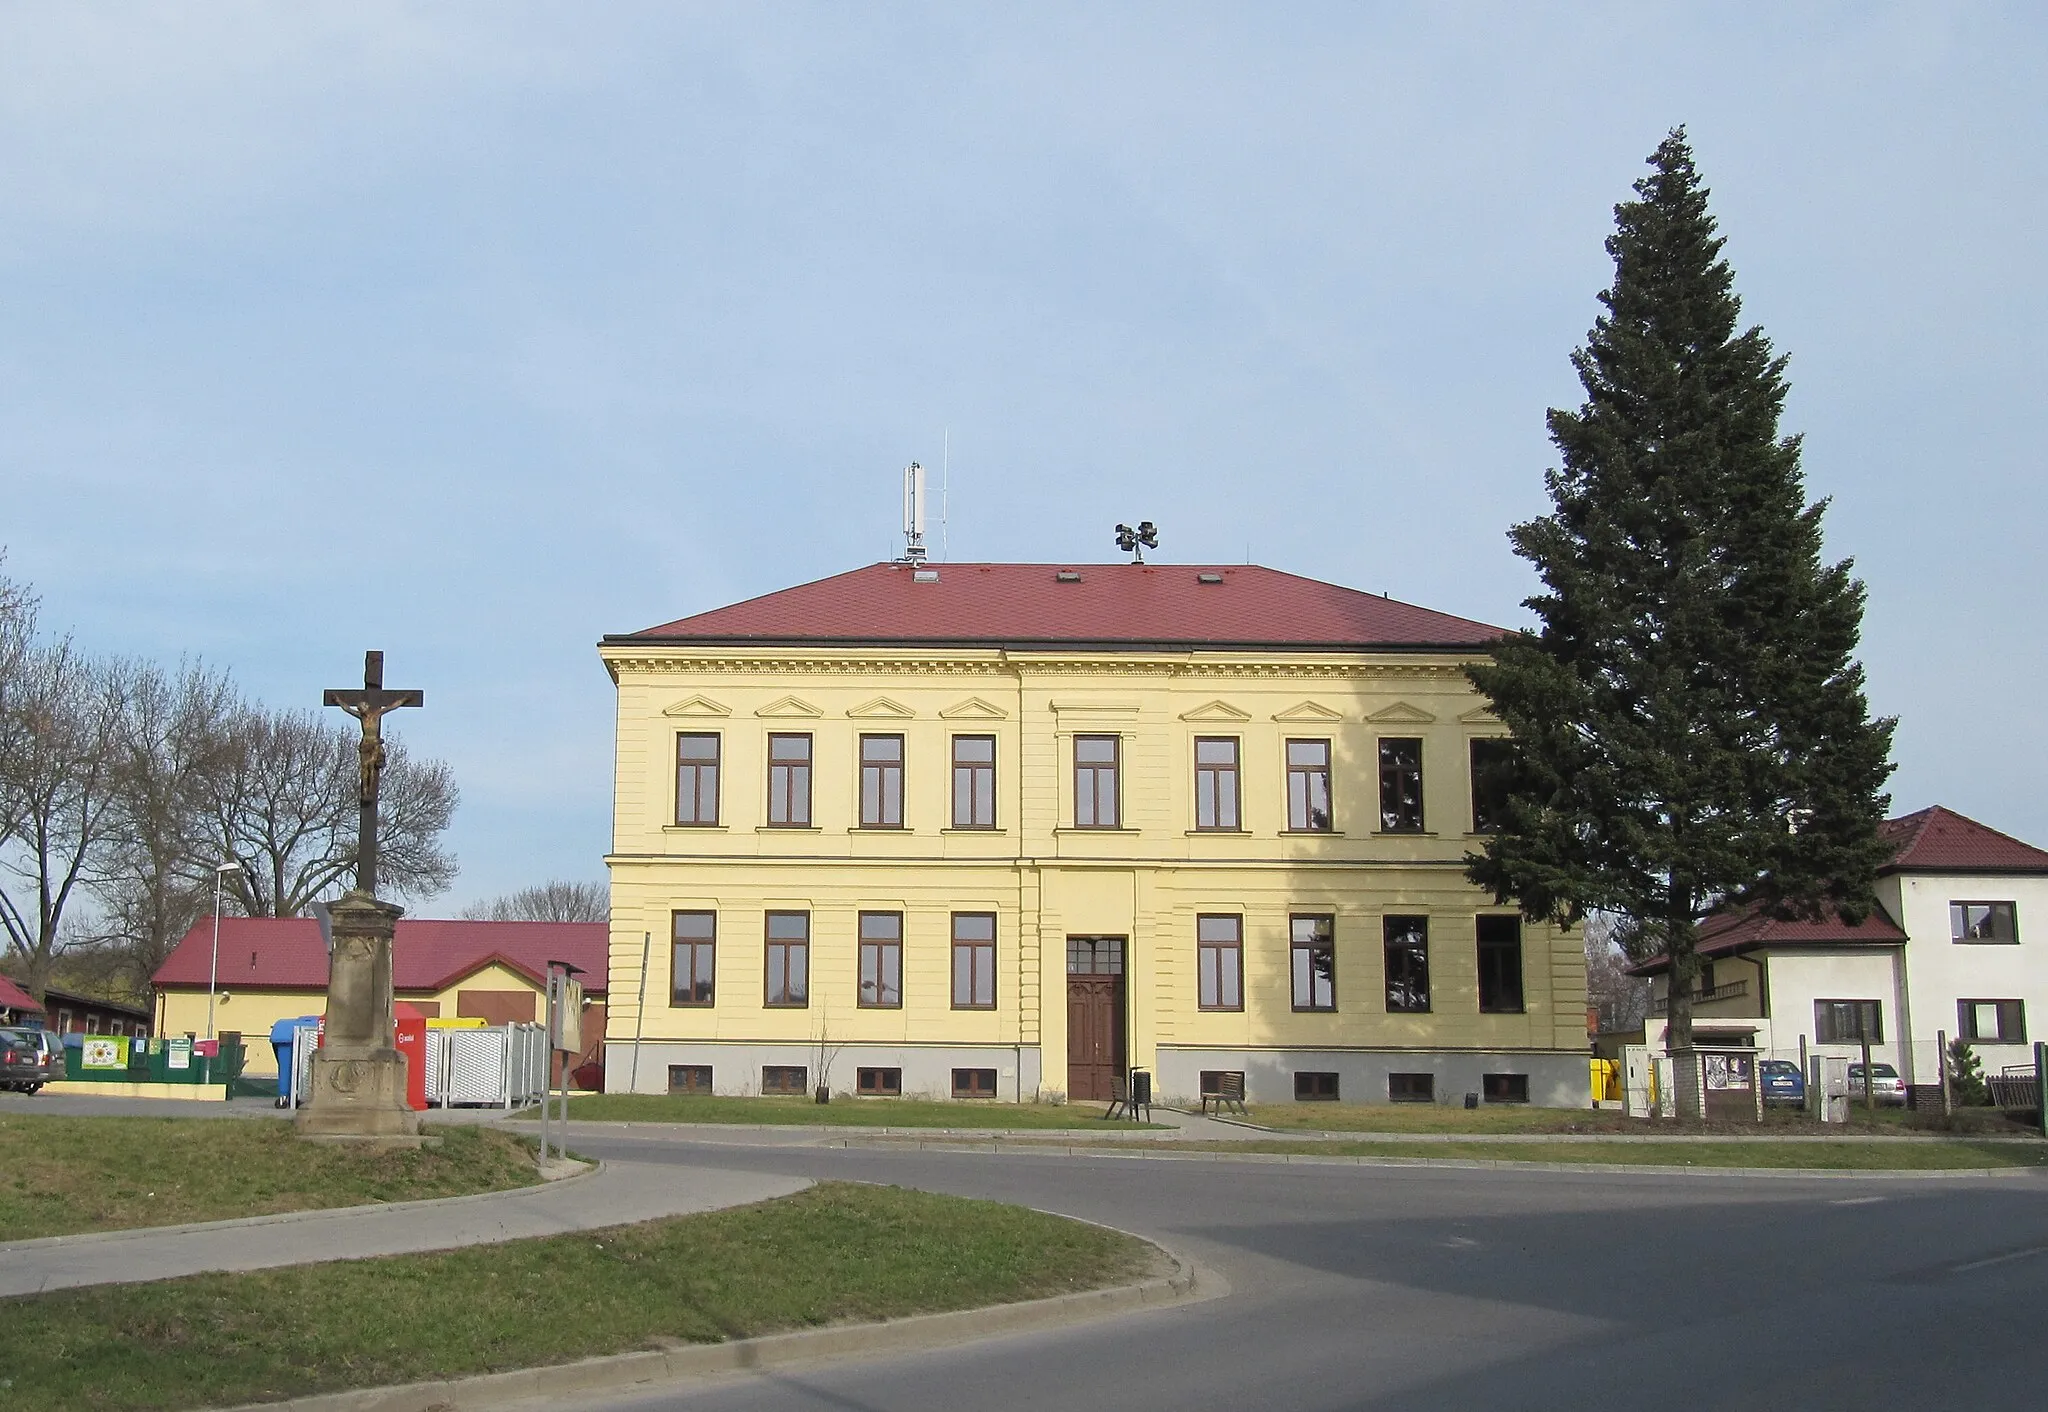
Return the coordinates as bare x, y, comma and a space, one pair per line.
261, 970
1013, 830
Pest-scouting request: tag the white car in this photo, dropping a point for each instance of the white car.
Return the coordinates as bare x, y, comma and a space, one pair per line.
1885, 1085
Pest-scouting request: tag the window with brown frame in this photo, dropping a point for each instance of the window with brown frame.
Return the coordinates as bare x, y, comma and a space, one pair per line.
689, 1078
974, 960
789, 959
974, 781
1219, 962
1995, 922
881, 960
1411, 1088
789, 781
1400, 785
974, 1083
1500, 965
1504, 1088
1493, 761
1992, 1021
1314, 1087
1848, 1021
880, 1083
697, 780
784, 1079
1308, 786
693, 958
1315, 961
881, 781
1216, 780
1407, 965
1096, 798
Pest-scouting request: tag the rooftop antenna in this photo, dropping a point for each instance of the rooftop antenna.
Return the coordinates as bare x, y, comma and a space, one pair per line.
1137, 541
913, 515
945, 494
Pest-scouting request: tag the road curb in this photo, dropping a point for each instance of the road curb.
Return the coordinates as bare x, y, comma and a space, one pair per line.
1478, 1164
649, 1370
287, 1218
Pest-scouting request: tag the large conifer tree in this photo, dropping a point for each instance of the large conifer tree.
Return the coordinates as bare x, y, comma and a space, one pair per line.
1691, 720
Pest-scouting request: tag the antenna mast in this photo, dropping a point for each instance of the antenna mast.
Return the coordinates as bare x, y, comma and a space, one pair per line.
913, 514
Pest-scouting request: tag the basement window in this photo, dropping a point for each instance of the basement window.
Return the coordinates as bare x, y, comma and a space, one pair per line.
782, 1078
881, 1083
974, 1083
689, 1078
1314, 1087
1411, 1088
1504, 1088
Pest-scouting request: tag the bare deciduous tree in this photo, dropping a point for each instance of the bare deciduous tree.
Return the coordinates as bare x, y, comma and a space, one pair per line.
1623, 1000
156, 872
285, 808
58, 794
553, 901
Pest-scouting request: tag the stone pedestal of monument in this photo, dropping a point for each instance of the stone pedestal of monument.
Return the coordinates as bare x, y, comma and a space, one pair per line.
358, 1075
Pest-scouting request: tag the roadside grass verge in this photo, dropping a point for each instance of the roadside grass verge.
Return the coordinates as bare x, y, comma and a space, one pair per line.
841, 1112
1778, 1122
834, 1253
63, 1175
1838, 1154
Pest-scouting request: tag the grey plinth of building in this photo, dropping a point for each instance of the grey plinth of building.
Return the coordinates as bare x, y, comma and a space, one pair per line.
358, 1075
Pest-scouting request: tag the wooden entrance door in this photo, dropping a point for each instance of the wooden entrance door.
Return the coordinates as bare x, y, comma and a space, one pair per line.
1095, 1017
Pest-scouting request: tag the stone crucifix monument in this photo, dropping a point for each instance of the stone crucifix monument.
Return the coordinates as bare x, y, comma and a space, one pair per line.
358, 1079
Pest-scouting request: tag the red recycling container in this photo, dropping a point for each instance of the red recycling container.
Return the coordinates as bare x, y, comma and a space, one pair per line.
412, 1043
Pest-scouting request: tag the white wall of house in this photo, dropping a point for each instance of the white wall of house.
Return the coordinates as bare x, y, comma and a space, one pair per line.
1797, 978
1942, 972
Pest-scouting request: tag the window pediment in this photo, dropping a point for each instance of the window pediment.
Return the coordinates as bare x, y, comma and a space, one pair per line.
697, 706
881, 708
1309, 713
1401, 713
1216, 711
787, 706
974, 709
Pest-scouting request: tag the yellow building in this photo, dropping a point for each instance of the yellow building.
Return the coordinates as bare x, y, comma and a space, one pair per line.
1011, 830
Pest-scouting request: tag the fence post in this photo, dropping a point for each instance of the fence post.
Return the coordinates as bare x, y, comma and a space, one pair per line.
2041, 1086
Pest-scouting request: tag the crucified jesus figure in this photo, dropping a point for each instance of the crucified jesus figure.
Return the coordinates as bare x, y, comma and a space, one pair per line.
369, 706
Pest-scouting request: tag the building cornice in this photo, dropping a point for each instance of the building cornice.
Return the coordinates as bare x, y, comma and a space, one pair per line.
641, 659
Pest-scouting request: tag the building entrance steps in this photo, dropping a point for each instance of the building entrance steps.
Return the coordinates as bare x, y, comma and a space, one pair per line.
613, 1194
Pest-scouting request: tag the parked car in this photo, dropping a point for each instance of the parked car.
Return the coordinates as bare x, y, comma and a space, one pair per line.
1782, 1081
29, 1059
1885, 1085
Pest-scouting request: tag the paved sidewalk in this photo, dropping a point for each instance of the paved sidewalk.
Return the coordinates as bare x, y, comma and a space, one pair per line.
616, 1193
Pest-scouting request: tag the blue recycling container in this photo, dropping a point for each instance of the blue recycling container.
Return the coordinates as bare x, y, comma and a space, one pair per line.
283, 1036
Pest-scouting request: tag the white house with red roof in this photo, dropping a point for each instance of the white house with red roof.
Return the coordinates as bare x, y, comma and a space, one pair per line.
1017, 830
17, 1006
1951, 951
268, 969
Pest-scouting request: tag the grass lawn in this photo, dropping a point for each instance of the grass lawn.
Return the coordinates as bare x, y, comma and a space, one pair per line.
1516, 1118
840, 1112
60, 1176
1833, 1154
836, 1252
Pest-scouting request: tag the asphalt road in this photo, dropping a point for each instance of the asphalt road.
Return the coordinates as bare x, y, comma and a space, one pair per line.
1412, 1288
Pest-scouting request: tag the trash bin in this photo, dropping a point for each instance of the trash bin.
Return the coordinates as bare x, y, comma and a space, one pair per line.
1141, 1088
283, 1040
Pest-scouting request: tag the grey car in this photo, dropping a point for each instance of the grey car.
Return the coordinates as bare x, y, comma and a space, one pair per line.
29, 1059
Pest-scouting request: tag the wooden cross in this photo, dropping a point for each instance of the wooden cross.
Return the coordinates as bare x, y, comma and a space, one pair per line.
368, 706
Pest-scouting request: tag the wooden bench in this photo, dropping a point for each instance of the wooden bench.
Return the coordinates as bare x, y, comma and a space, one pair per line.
1121, 1102
1228, 1093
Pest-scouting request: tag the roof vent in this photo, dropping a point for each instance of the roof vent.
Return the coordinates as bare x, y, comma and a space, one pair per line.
924, 575
1068, 575
1208, 578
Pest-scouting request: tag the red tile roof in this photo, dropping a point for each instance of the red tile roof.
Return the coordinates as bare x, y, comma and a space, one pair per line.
1123, 605
1728, 933
13, 997
1938, 840
287, 953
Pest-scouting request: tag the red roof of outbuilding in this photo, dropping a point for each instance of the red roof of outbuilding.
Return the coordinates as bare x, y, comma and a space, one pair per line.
13, 997
1123, 605
287, 953
1727, 933
1938, 840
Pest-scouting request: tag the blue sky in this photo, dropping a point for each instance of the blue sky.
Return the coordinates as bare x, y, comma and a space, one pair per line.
474, 332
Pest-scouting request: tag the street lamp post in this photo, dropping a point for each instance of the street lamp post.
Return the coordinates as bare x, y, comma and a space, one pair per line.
220, 872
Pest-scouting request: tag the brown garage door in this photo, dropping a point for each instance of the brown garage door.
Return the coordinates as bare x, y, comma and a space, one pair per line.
496, 1007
